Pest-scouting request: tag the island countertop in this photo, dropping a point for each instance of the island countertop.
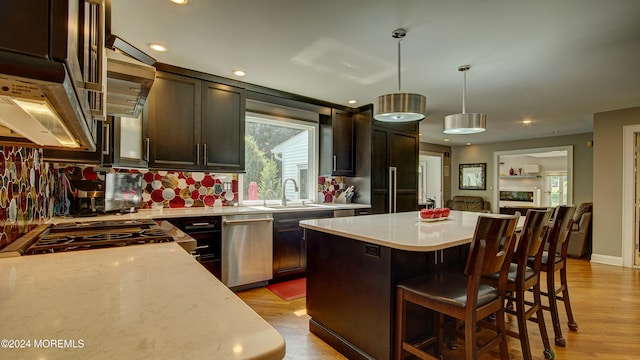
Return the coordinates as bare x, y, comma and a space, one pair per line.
136, 302
404, 231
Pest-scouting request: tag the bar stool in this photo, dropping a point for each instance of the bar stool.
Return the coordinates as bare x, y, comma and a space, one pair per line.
462, 297
522, 278
555, 259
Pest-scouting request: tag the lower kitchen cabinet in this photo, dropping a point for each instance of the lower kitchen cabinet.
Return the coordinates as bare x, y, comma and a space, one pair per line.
289, 244
207, 231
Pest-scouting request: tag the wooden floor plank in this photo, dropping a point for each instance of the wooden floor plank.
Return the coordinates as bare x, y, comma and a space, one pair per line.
605, 301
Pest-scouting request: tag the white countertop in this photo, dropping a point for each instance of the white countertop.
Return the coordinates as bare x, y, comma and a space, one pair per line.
404, 231
165, 213
137, 302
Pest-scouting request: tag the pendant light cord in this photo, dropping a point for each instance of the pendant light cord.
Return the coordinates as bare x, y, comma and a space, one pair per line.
399, 34
399, 61
464, 91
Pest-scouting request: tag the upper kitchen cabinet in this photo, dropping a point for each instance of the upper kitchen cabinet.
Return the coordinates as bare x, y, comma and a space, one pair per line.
174, 122
195, 124
406, 127
130, 145
337, 150
222, 127
52, 72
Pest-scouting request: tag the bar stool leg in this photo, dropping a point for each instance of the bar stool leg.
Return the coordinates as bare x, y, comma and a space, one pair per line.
504, 351
537, 298
470, 343
401, 309
553, 307
522, 326
565, 297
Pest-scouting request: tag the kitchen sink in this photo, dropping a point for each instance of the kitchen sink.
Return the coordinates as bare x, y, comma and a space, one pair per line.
289, 207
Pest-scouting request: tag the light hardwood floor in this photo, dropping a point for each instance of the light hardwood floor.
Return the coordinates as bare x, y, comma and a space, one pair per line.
605, 301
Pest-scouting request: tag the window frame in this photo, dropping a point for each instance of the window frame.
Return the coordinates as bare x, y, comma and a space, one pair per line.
312, 163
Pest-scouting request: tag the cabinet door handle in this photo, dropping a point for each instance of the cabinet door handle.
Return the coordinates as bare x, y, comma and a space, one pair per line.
392, 189
335, 160
198, 154
204, 154
106, 139
93, 80
147, 152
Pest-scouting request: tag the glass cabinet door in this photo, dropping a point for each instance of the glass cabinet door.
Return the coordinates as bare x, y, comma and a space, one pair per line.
130, 142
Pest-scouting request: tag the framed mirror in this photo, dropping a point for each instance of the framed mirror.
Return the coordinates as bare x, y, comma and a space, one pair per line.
473, 176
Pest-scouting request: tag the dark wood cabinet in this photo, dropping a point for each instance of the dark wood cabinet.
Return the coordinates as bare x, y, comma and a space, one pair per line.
394, 170
174, 115
223, 124
337, 143
289, 243
195, 124
129, 141
207, 231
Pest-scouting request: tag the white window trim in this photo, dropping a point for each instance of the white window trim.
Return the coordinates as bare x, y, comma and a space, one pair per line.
314, 151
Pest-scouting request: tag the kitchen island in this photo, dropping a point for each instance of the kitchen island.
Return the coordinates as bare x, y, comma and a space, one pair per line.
355, 263
149, 301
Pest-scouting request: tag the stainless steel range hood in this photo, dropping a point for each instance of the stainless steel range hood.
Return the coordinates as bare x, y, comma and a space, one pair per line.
39, 103
129, 79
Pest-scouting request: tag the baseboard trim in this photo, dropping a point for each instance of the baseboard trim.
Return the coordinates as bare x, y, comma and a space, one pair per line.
607, 260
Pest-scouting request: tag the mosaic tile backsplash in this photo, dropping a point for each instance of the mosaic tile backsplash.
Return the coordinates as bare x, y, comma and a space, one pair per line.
329, 188
26, 192
175, 189
31, 190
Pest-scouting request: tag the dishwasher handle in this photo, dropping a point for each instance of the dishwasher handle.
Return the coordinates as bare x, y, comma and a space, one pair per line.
245, 221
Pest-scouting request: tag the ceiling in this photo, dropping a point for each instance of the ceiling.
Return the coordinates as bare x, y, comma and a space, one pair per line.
553, 62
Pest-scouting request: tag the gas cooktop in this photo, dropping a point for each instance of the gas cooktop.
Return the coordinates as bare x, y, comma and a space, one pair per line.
97, 234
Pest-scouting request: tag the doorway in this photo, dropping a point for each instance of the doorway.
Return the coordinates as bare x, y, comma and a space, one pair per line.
630, 197
636, 244
430, 179
541, 177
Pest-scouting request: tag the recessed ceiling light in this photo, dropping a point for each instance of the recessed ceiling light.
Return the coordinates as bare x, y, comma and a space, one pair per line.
447, 139
158, 47
238, 73
527, 121
352, 101
180, 2
468, 144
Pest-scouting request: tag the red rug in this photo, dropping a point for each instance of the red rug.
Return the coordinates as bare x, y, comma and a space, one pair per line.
290, 290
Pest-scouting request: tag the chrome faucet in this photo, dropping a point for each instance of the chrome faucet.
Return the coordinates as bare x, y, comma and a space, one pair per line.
284, 195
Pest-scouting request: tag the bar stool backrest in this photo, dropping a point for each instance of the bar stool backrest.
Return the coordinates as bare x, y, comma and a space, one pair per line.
535, 226
560, 229
499, 242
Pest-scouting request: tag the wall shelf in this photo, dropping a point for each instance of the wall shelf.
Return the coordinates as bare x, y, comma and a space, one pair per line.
520, 176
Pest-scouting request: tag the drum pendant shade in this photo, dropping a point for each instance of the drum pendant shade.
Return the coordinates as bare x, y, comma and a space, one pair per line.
400, 107
465, 123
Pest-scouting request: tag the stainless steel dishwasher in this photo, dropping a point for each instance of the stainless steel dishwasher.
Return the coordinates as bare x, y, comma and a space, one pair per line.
247, 250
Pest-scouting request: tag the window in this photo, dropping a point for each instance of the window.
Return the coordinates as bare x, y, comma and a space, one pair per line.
277, 149
557, 189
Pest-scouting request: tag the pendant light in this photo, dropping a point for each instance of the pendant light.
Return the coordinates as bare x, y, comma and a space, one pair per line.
400, 107
465, 123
